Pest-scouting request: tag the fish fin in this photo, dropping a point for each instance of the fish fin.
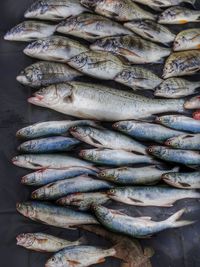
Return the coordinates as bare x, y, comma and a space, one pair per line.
68, 99
183, 21
72, 263
173, 220
150, 118
184, 184
148, 35
101, 260
195, 167
96, 142
127, 52
145, 218
71, 227
117, 212
188, 136
111, 14
176, 169
136, 200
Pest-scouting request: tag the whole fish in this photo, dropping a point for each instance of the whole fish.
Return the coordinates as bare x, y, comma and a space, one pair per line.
47, 128
115, 157
45, 73
49, 144
54, 9
91, 27
187, 40
30, 30
119, 222
190, 158
150, 30
180, 122
187, 180
193, 103
46, 176
45, 243
54, 215
37, 162
121, 10
146, 131
55, 48
150, 196
182, 63
92, 101
83, 201
179, 15
104, 138
196, 115
68, 186
176, 88
128, 175
133, 48
80, 256
185, 141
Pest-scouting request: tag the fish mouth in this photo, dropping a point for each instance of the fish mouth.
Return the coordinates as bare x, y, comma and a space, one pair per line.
15, 161
35, 99
8, 36
22, 79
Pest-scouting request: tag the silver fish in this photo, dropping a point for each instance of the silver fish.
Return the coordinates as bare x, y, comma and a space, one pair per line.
193, 103
54, 9
176, 88
187, 40
91, 27
182, 63
185, 141
55, 48
133, 48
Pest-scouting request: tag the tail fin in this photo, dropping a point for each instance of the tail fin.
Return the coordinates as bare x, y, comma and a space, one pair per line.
172, 220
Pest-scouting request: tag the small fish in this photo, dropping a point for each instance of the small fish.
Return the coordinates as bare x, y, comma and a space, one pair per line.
193, 103
53, 215
179, 15
121, 10
49, 144
182, 63
46, 176
152, 31
186, 157
45, 243
180, 122
187, 180
150, 196
138, 227
83, 201
54, 9
44, 73
146, 131
135, 49
127, 175
196, 115
68, 186
91, 27
187, 40
80, 256
176, 88
55, 48
104, 138
185, 141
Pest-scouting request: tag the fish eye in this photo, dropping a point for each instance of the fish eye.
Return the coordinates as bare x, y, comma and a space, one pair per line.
150, 149
103, 174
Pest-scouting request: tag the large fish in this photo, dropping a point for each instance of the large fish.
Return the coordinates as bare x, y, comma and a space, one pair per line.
185, 141
136, 226
133, 48
54, 9
187, 40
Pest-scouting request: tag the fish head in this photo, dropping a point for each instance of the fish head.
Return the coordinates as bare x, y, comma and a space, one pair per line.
90, 3
169, 69
17, 32
173, 142
104, 44
79, 61
41, 47
179, 42
81, 132
67, 25
168, 15
112, 192
25, 240
155, 150
26, 131
163, 119
32, 74
122, 126
108, 174
41, 192
36, 9
24, 161
26, 146
193, 103
29, 179
26, 209
99, 210
57, 261
88, 154
71, 199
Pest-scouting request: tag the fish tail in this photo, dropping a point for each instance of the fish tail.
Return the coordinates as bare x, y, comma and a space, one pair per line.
173, 220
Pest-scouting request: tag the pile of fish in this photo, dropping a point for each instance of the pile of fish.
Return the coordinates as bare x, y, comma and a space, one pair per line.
148, 154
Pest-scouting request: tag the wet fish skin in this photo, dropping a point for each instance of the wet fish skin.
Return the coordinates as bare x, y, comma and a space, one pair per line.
196, 115
193, 103
187, 40
185, 141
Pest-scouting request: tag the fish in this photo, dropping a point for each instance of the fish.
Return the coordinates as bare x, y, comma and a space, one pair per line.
54, 215
115, 157
120, 10
159, 196
134, 49
49, 175
64, 187
45, 73
178, 15
185, 157
186, 141
30, 30
104, 138
91, 27
80, 256
50, 128
54, 10
185, 180
180, 122
176, 88
83, 201
96, 102
49, 144
182, 63
142, 175
146, 131
41, 161
152, 31
45, 243
196, 115
55, 48
187, 40
138, 227
193, 103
